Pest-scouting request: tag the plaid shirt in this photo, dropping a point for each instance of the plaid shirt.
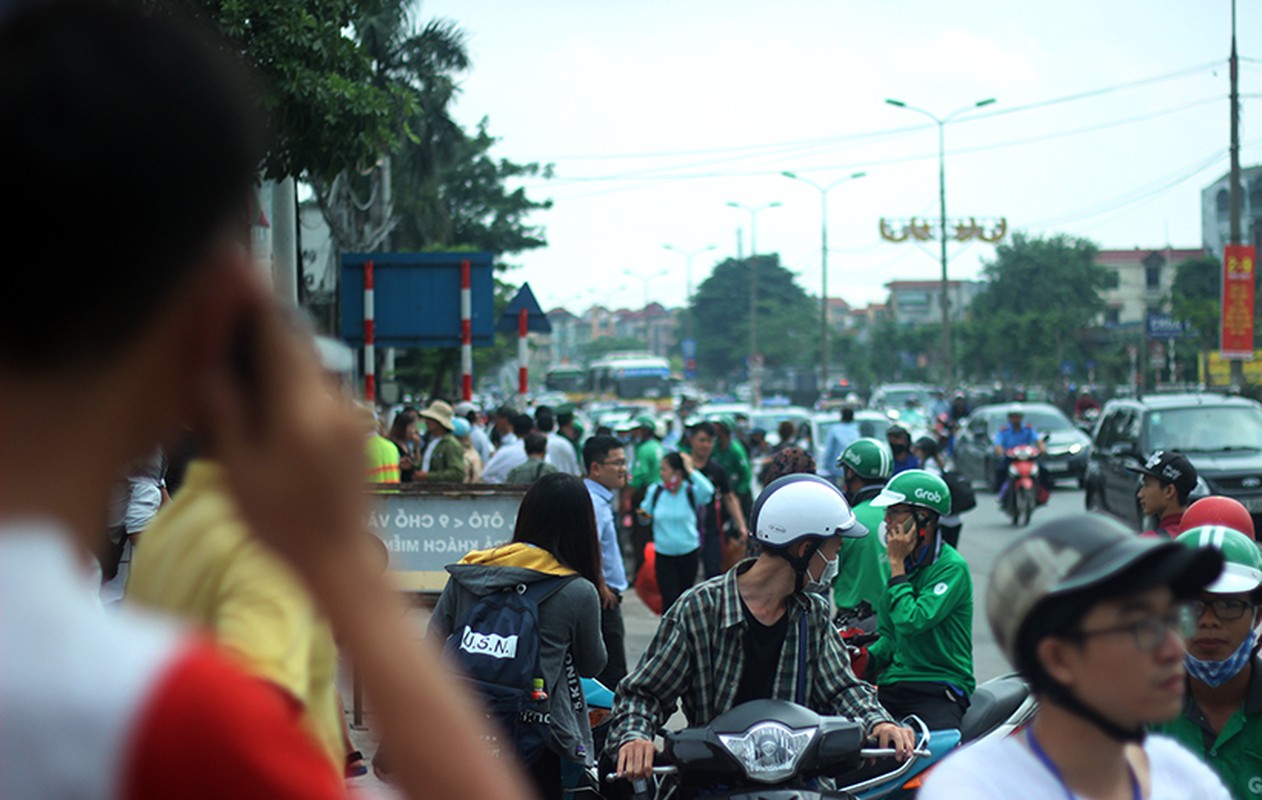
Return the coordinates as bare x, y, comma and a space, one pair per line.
698, 654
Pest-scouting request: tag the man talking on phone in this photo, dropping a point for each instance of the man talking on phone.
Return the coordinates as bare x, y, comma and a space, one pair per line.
923, 660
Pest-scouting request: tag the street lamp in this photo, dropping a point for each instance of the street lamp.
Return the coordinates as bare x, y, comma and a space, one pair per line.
753, 290
948, 360
645, 279
688, 256
823, 263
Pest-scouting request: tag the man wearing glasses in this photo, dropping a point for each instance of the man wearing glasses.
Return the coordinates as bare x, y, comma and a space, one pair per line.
1222, 712
606, 475
1094, 618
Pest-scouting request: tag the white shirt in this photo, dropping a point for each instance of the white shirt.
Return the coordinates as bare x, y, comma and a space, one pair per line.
507, 457
562, 456
1001, 769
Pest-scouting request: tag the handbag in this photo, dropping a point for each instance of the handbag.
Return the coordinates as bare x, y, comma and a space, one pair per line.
963, 498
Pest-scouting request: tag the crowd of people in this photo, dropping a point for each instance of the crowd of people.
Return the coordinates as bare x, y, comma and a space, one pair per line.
1141, 649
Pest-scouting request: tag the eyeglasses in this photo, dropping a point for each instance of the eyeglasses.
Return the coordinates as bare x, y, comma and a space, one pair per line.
1150, 632
617, 463
897, 511
1225, 609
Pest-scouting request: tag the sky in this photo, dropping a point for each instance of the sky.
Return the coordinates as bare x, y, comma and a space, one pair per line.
1109, 118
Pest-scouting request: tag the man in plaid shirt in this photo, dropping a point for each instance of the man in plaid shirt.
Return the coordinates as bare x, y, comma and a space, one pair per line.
752, 632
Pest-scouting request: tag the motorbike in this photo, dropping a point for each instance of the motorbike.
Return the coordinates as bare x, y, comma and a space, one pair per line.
1020, 492
577, 780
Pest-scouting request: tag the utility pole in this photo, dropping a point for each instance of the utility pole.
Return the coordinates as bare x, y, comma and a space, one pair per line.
755, 367
1237, 366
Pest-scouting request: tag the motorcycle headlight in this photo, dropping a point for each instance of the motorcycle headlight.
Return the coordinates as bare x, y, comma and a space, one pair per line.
768, 752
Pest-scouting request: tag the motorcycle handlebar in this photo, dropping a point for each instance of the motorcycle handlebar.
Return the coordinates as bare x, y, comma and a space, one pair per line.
667, 769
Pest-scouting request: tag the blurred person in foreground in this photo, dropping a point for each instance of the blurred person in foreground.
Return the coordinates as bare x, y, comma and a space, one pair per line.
1093, 617
147, 120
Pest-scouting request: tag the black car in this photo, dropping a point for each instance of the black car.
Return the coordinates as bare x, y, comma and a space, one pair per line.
1067, 446
1220, 435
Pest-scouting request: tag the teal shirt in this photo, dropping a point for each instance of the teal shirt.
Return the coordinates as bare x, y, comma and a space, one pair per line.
1235, 753
674, 519
859, 573
926, 624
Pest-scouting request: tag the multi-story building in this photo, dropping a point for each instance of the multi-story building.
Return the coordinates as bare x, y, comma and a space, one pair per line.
920, 302
1142, 279
1216, 211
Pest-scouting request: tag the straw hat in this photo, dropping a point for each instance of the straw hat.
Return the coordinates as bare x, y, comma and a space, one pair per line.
440, 412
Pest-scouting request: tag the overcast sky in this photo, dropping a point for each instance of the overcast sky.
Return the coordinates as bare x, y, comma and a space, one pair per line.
657, 114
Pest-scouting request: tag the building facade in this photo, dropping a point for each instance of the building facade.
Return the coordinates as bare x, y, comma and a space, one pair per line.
1216, 211
1142, 281
920, 302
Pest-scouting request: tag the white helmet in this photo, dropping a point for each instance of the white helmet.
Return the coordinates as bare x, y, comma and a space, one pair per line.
801, 506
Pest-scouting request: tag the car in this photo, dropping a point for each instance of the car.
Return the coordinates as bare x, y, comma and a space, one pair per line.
1221, 435
872, 424
1068, 447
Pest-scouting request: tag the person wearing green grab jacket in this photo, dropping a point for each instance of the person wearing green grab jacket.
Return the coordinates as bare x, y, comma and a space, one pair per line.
865, 464
1222, 710
731, 455
923, 660
646, 465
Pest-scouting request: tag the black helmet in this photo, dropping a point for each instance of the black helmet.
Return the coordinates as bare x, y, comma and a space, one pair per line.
927, 444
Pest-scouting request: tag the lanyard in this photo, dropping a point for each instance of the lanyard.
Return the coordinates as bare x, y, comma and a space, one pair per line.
1038, 751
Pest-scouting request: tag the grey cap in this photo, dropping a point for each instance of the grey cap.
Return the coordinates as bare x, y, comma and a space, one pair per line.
1082, 552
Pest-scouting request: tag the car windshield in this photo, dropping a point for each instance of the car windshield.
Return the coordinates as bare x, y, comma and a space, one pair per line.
873, 427
1204, 429
1045, 421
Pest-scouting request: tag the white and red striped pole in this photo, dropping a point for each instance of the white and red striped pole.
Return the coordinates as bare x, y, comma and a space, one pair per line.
466, 330
370, 336
523, 320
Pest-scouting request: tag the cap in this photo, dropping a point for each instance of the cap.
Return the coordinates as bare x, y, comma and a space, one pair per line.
1173, 468
465, 408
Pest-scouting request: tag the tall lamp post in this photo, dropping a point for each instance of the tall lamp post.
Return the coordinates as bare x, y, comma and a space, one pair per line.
948, 358
645, 279
753, 288
823, 264
688, 256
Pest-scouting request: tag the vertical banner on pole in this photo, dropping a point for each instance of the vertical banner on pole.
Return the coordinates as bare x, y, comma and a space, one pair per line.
466, 331
1237, 302
523, 324
370, 336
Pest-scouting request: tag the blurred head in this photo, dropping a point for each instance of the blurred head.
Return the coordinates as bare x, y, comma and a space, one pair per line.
789, 461
536, 444
786, 431
606, 461
522, 425
702, 439
556, 514
672, 468
404, 426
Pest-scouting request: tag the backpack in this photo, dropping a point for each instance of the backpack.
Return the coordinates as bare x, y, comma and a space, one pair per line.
496, 645
657, 491
963, 497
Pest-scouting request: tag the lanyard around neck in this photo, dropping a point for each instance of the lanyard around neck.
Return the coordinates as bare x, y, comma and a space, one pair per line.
1042, 755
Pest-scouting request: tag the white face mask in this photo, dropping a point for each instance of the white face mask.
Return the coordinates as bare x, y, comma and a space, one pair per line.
824, 583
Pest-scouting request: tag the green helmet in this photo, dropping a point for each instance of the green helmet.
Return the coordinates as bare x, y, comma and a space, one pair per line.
916, 487
1242, 562
645, 421
869, 459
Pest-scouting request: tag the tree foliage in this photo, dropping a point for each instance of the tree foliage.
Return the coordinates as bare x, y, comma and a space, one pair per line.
1196, 298
787, 319
1042, 295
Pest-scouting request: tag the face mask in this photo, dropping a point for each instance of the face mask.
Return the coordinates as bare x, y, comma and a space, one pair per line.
674, 483
824, 583
1216, 673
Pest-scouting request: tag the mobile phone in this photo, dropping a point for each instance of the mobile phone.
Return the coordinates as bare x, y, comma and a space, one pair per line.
245, 366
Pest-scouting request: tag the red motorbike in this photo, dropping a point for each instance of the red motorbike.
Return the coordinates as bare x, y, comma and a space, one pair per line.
1022, 491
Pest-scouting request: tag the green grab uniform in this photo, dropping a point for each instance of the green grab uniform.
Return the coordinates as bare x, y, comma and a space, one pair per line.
1236, 752
648, 464
926, 624
859, 575
735, 461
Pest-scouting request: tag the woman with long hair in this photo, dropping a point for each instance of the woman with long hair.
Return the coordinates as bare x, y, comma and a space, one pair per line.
555, 537
405, 434
670, 506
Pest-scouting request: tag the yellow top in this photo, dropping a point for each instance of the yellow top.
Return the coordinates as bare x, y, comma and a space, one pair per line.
197, 560
383, 460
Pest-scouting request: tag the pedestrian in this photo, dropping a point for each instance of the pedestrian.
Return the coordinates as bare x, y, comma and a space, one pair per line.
1167, 480
840, 436
462, 430
561, 453
138, 498
1092, 616
722, 522
554, 536
1017, 432
446, 459
150, 118
646, 462
536, 465
899, 439
734, 458
606, 476
477, 435
383, 460
866, 466
569, 429
406, 436
670, 509
511, 453
934, 461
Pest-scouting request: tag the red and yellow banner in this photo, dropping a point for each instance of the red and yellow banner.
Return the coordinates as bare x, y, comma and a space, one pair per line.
1237, 319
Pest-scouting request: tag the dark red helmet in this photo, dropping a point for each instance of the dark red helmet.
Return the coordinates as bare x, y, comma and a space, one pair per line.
1219, 510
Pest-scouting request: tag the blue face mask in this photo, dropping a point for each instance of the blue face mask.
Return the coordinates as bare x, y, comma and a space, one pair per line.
1216, 673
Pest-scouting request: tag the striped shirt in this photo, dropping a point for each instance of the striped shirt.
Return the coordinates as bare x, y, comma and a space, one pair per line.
698, 654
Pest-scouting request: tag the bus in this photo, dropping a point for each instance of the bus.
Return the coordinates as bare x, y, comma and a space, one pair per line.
568, 378
630, 376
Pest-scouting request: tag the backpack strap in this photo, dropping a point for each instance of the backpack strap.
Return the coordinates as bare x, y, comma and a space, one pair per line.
657, 492
539, 591
800, 692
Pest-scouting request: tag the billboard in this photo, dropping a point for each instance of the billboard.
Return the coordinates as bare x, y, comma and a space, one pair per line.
1238, 291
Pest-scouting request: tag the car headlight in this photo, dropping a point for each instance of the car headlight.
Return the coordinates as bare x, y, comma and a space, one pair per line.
769, 751
1075, 449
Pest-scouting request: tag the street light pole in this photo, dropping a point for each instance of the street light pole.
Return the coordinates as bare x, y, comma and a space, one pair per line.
753, 289
823, 264
948, 356
645, 279
688, 256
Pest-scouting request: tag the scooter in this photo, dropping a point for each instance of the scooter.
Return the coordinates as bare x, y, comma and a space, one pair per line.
1020, 492
577, 780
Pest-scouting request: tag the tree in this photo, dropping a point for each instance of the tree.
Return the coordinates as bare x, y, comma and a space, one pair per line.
786, 319
1041, 295
1196, 298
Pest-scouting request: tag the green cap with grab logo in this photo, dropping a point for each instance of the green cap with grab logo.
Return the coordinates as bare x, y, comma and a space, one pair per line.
916, 487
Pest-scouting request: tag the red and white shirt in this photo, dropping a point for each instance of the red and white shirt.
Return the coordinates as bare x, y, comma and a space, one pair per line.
113, 704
